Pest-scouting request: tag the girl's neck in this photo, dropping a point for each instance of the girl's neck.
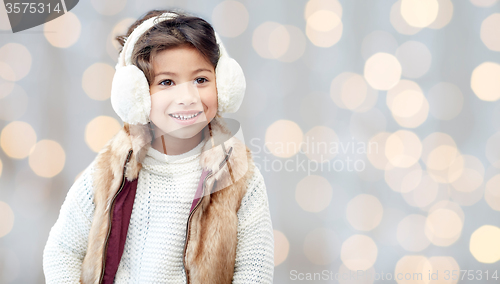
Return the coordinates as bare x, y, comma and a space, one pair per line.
176, 146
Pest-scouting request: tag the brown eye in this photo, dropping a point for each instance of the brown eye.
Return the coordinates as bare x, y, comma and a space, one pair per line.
168, 82
201, 80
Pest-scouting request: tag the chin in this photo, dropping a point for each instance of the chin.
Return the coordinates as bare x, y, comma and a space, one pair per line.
184, 135
186, 132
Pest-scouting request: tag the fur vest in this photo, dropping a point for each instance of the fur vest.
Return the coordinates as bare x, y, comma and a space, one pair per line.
211, 231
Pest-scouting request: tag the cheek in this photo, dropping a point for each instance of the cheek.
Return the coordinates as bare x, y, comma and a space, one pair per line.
209, 100
158, 105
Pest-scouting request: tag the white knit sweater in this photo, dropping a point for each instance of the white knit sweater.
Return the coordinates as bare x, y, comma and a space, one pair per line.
155, 239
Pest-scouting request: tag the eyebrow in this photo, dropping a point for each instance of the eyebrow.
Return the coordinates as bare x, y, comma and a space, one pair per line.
174, 74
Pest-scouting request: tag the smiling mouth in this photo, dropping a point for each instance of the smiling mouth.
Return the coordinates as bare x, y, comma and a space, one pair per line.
183, 116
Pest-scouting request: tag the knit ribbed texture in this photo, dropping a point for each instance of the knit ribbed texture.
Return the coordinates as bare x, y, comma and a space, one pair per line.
156, 235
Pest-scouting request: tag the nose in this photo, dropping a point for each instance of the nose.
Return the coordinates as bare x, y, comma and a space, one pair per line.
187, 94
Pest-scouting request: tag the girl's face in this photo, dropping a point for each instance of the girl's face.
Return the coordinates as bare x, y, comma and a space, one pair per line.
183, 92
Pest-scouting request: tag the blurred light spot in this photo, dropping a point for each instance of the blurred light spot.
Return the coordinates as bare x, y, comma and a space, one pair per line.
321, 144
297, 45
321, 246
445, 13
424, 194
376, 150
484, 244
108, 7
271, 40
99, 131
442, 264
7, 220
484, 81
466, 198
415, 58
443, 195
416, 119
6, 72
349, 91
407, 103
415, 268
112, 45
492, 192
439, 151
401, 86
284, 138
403, 148
230, 18
399, 23
13, 106
325, 38
47, 158
313, 193
364, 212
484, 3
382, 71
469, 175
419, 13
492, 150
445, 100
323, 20
353, 92
403, 179
15, 61
378, 41
443, 224
448, 205
411, 234
281, 247
359, 252
96, 81
6, 87
313, 6
63, 31
441, 157
17, 138
365, 125
489, 32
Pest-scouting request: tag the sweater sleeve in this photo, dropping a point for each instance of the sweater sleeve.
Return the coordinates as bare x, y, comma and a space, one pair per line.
255, 249
67, 242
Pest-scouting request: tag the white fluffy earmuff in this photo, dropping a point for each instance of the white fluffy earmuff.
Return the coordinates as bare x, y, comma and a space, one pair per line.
130, 97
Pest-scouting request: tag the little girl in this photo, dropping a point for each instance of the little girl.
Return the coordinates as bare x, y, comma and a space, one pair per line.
174, 196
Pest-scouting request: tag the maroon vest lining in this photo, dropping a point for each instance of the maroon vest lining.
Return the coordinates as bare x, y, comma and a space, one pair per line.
122, 212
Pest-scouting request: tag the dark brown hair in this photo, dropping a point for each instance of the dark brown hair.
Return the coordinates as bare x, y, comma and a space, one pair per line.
179, 31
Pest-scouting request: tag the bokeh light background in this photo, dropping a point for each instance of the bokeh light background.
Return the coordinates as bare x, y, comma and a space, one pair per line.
418, 79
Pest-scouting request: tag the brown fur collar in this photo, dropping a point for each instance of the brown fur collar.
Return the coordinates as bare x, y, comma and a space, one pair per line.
211, 250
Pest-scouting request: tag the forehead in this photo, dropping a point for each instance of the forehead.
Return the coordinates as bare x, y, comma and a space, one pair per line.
182, 58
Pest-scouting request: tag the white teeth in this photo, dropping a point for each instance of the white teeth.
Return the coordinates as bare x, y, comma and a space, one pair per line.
184, 117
